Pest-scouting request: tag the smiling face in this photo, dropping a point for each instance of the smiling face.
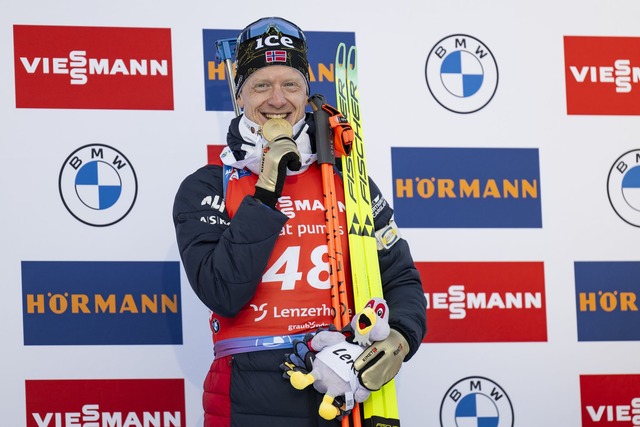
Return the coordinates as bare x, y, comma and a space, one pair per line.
276, 91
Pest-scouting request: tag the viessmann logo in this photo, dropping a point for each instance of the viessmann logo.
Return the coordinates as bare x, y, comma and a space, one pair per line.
99, 403
602, 75
485, 301
93, 67
610, 400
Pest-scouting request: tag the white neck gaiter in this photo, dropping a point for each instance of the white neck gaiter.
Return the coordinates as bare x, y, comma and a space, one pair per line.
253, 150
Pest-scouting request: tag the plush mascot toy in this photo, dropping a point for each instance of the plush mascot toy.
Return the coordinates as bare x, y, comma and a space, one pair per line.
326, 359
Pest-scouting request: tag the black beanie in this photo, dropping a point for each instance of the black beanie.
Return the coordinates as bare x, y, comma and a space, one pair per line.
270, 41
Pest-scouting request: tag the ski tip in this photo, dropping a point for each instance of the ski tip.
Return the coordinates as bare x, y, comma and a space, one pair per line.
341, 54
352, 59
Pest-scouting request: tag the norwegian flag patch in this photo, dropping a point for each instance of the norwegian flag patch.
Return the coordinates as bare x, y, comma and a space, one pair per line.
276, 56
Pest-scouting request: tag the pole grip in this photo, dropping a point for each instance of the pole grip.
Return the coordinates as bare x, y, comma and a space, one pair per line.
225, 52
324, 139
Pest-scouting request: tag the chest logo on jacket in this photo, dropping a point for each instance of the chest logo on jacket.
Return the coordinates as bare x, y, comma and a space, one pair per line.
98, 185
217, 204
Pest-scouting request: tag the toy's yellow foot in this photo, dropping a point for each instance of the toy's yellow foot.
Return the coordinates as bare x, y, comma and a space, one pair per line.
300, 380
327, 410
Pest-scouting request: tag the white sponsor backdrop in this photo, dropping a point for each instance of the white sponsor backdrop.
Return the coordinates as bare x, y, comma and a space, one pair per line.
528, 110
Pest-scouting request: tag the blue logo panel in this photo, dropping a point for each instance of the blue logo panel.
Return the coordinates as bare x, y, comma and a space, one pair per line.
101, 303
466, 187
607, 300
321, 56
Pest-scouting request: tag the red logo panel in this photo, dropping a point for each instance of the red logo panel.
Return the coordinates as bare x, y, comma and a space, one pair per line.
484, 301
93, 67
213, 154
105, 402
610, 400
602, 75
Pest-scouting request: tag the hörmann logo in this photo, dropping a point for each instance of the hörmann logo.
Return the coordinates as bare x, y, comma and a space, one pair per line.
93, 67
466, 187
467, 300
101, 403
101, 303
321, 55
602, 75
608, 300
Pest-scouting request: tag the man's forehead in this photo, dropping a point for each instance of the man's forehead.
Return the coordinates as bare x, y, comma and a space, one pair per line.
274, 72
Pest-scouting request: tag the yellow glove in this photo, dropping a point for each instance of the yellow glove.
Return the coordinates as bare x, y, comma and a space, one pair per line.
279, 154
381, 361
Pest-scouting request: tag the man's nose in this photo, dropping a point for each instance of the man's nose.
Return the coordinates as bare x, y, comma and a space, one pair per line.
277, 98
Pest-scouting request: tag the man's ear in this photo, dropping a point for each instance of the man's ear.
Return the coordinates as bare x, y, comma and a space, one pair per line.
239, 101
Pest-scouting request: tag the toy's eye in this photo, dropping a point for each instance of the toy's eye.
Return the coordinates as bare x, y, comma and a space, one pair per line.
370, 304
380, 310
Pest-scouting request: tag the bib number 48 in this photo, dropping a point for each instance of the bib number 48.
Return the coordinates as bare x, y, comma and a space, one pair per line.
287, 269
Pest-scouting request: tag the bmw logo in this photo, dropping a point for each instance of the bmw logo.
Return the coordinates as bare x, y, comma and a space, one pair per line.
623, 187
461, 73
98, 185
476, 401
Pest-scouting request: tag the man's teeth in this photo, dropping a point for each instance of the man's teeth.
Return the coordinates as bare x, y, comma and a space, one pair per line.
275, 116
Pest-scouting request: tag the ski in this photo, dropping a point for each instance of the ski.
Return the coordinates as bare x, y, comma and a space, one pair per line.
382, 407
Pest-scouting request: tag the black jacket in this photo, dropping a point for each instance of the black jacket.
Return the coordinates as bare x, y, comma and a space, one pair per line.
224, 259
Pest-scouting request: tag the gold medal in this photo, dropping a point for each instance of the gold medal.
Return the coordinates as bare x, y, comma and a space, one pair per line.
274, 128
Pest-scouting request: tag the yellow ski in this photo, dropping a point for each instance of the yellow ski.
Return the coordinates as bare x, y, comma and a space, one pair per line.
382, 407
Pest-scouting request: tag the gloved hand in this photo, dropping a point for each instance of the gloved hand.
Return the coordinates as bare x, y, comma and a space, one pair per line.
381, 361
300, 359
279, 154
303, 352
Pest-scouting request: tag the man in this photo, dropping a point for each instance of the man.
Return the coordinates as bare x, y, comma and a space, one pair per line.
255, 252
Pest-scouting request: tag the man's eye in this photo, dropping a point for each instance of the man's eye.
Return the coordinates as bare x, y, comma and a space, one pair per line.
291, 85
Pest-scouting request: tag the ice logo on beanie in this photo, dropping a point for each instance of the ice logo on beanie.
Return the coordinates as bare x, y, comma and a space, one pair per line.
271, 56
273, 41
